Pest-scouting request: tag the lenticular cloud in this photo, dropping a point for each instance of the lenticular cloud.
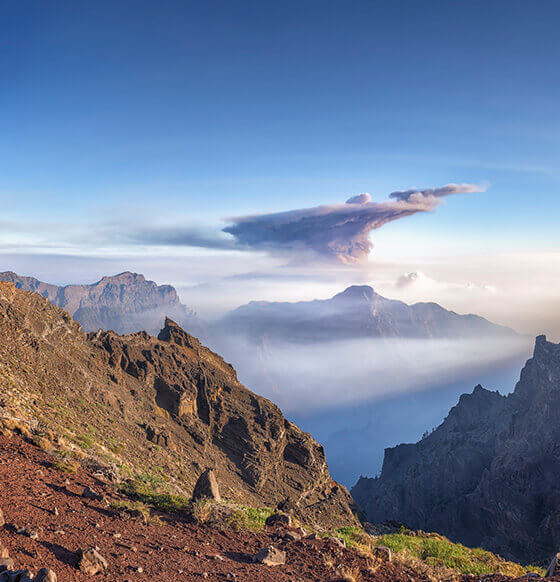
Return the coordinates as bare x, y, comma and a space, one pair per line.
336, 231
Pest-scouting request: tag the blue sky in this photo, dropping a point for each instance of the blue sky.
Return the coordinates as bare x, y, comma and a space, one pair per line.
123, 111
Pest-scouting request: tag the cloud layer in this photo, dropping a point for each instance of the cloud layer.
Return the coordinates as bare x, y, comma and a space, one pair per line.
336, 231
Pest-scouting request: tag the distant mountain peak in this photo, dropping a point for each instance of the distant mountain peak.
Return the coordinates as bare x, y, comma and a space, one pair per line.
124, 277
125, 303
357, 292
356, 312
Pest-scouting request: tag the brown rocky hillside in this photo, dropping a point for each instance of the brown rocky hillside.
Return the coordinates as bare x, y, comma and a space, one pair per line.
161, 410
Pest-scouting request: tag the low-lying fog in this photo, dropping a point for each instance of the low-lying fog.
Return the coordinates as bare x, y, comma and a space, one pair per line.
357, 397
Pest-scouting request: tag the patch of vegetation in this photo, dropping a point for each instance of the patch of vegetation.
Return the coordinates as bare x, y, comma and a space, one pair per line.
249, 518
65, 463
353, 536
150, 490
439, 552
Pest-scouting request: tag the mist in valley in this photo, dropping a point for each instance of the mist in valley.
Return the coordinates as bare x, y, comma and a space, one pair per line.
357, 397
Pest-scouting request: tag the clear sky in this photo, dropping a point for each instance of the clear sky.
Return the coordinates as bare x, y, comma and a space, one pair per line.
126, 115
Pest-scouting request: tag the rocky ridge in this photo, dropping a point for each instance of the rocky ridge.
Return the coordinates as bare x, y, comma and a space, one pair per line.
124, 303
488, 475
167, 406
357, 312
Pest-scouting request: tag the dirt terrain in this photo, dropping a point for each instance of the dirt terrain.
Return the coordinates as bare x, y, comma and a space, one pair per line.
173, 549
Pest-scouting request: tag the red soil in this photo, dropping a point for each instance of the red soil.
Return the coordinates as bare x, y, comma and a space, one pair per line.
176, 549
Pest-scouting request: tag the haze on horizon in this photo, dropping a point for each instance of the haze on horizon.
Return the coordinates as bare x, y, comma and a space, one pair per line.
191, 142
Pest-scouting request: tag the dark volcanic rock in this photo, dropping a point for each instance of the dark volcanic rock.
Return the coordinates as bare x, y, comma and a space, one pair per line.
488, 475
124, 303
357, 312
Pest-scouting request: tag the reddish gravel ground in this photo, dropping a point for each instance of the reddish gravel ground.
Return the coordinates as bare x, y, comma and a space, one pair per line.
174, 550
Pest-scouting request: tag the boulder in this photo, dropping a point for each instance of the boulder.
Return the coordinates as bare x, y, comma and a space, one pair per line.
207, 487
282, 519
270, 556
91, 562
382, 552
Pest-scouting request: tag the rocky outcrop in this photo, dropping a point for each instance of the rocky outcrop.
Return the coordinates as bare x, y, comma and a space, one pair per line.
488, 475
357, 312
124, 303
167, 403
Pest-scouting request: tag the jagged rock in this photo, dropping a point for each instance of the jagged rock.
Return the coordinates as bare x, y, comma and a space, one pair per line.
91, 562
282, 519
45, 575
270, 556
382, 552
207, 487
90, 493
554, 566
178, 386
488, 475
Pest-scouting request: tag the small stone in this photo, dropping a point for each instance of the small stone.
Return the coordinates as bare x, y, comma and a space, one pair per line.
207, 487
2, 520
292, 536
4, 553
90, 493
270, 556
282, 519
33, 535
55, 511
338, 541
91, 562
383, 553
139, 569
205, 574
45, 575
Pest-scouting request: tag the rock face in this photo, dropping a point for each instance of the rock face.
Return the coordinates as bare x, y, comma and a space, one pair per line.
357, 312
488, 475
127, 392
124, 303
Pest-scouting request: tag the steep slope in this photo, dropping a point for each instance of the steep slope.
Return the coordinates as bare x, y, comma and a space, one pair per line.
166, 406
124, 303
167, 548
488, 475
357, 312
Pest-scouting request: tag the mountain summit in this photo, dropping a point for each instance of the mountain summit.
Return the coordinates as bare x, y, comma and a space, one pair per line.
488, 475
125, 303
356, 312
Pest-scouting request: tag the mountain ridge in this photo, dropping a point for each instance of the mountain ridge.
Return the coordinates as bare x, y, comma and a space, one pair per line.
126, 302
487, 475
356, 312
